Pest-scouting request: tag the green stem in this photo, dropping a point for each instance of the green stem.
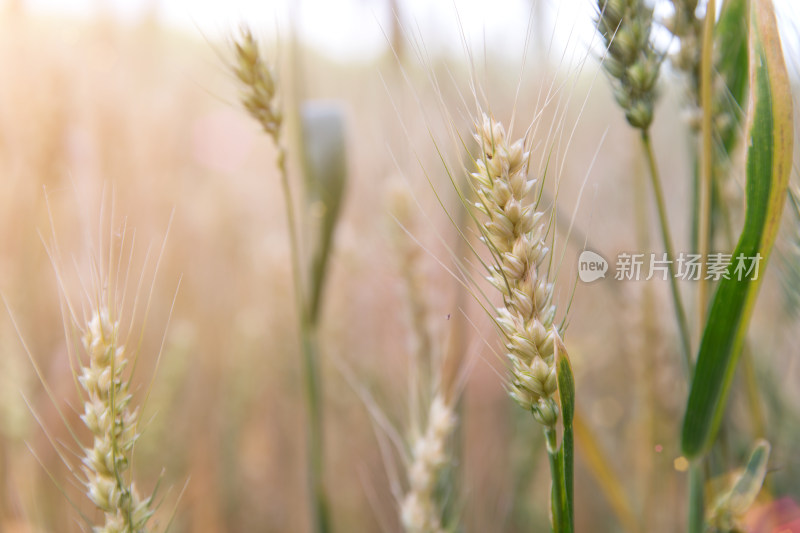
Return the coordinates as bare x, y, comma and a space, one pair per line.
319, 270
313, 392
561, 514
683, 326
696, 497
291, 223
311, 378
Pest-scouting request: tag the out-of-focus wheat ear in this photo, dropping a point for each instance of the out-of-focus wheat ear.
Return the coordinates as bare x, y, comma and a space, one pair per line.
631, 61
408, 252
259, 87
420, 510
688, 30
422, 506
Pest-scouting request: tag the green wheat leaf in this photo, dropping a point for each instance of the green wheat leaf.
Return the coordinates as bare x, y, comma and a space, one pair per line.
769, 158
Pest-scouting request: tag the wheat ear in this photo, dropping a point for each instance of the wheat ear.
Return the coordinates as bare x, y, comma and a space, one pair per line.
427, 455
258, 84
631, 60
420, 511
109, 416
514, 230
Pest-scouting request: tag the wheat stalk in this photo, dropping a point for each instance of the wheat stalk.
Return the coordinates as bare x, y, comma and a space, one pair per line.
259, 97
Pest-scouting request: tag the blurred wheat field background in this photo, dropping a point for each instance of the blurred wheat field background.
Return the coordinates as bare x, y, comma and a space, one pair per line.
107, 124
